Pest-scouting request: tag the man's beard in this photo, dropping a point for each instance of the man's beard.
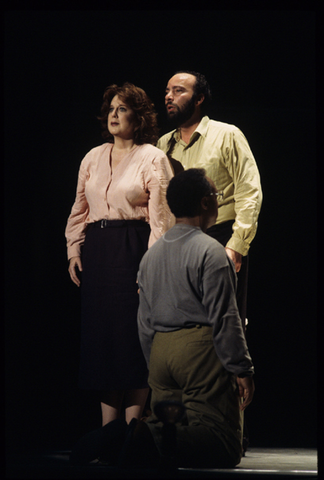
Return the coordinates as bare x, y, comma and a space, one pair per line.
182, 116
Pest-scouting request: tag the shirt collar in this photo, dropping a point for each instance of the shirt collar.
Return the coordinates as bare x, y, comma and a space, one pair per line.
200, 130
203, 126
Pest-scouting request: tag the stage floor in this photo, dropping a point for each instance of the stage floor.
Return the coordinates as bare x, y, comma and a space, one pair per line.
258, 463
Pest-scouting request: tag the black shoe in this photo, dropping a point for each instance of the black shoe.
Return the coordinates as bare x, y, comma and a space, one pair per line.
123, 459
169, 413
139, 450
104, 442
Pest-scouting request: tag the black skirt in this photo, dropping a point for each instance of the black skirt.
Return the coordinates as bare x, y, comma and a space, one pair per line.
111, 356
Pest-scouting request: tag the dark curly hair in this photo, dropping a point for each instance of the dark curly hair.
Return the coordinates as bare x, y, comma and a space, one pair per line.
139, 102
185, 192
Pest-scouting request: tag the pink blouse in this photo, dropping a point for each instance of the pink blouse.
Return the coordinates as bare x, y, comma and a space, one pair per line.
134, 191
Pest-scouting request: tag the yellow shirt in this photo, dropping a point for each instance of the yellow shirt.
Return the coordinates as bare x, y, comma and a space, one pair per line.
223, 151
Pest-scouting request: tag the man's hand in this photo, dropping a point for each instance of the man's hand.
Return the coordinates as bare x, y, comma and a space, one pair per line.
75, 262
246, 390
236, 257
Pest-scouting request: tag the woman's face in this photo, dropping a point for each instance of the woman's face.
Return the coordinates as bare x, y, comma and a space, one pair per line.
121, 119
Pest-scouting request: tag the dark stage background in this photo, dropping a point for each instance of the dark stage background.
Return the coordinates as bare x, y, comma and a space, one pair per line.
261, 67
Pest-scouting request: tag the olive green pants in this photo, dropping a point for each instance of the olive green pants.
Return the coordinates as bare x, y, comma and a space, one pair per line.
184, 367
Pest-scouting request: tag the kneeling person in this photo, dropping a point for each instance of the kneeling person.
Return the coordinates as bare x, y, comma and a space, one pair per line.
191, 333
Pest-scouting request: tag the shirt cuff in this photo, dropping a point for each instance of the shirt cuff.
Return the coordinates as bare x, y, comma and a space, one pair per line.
73, 251
238, 246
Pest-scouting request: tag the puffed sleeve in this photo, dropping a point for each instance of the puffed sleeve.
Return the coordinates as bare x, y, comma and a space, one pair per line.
76, 224
156, 183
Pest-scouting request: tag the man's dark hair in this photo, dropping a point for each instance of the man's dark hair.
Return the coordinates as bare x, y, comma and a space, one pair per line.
185, 192
201, 87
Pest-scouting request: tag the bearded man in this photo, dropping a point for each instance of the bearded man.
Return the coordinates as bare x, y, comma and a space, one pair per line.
224, 153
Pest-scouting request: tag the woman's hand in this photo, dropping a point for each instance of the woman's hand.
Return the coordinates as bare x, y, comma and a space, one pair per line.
75, 263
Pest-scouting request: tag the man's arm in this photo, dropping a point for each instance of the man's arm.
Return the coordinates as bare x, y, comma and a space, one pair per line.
145, 331
242, 168
219, 299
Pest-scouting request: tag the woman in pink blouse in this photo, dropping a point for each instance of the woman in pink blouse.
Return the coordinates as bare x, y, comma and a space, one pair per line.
120, 210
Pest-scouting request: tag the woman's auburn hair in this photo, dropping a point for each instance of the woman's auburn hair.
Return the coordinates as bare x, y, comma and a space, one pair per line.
143, 108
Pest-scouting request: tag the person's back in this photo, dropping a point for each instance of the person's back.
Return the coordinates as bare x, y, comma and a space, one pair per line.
186, 279
190, 330
174, 270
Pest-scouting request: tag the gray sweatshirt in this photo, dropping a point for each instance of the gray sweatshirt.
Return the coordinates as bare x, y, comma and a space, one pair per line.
186, 279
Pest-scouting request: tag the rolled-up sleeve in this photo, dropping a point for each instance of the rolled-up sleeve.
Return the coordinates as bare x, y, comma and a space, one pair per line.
242, 168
